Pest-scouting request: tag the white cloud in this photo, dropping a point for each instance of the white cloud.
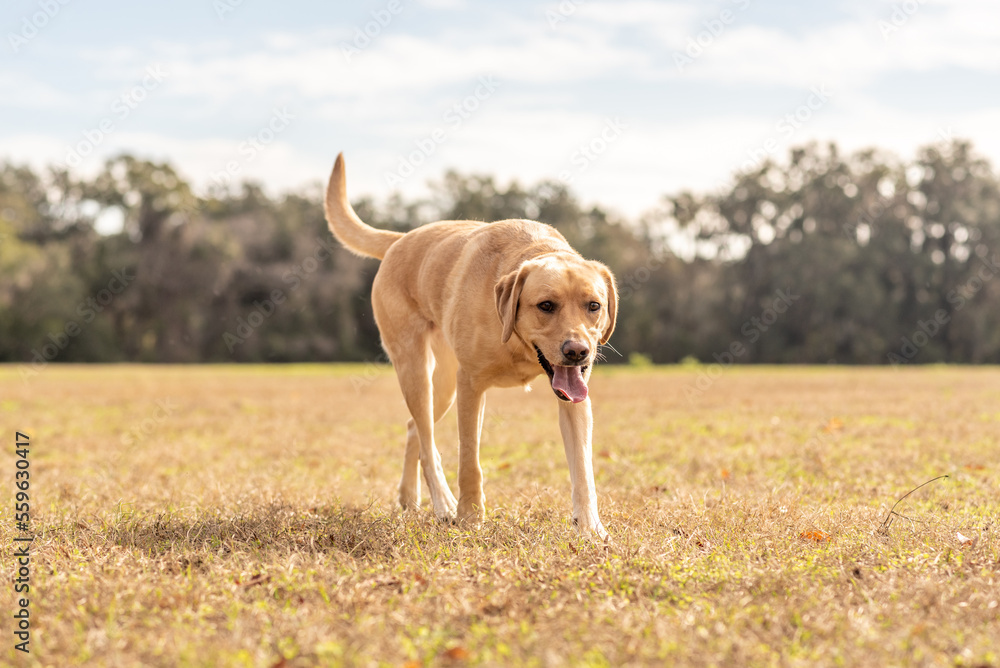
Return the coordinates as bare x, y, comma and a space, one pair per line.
647, 161
37, 150
395, 91
588, 46
23, 92
444, 4
638, 12
851, 55
396, 63
279, 165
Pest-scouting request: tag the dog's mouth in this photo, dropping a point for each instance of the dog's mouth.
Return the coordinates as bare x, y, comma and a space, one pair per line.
567, 381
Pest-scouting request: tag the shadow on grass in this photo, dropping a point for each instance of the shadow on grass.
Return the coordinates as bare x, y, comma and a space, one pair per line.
357, 532
361, 533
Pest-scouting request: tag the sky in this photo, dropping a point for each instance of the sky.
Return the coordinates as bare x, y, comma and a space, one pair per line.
625, 101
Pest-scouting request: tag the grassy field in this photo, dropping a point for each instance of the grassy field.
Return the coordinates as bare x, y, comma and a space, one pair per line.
245, 516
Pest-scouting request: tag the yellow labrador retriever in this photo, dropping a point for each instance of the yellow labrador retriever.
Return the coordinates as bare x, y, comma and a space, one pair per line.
463, 306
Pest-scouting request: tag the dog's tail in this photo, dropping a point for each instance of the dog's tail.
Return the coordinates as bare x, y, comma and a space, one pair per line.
350, 230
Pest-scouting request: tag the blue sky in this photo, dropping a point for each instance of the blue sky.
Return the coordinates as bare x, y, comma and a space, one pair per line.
628, 100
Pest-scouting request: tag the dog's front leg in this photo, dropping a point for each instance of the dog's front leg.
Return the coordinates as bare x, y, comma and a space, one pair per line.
471, 403
576, 422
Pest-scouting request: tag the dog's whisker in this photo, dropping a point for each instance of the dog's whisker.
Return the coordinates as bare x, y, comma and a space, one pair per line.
608, 345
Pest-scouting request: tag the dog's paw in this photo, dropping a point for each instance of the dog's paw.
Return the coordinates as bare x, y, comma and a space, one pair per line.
446, 510
409, 499
593, 530
444, 503
472, 512
448, 518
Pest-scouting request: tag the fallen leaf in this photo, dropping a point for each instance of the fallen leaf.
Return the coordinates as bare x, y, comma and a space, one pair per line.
457, 653
835, 424
255, 579
815, 535
492, 609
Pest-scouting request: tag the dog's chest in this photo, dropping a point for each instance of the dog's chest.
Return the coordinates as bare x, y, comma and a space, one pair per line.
512, 375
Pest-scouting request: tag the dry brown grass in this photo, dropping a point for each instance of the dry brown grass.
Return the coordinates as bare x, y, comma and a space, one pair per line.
249, 521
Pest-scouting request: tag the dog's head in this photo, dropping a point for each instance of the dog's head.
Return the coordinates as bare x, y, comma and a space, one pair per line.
563, 307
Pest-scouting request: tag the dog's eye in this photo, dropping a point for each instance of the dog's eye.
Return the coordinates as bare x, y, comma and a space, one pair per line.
548, 307
595, 306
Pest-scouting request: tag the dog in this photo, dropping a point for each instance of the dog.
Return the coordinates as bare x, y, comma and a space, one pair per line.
463, 306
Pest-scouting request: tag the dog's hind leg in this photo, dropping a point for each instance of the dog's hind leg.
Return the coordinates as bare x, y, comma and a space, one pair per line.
414, 365
409, 486
443, 379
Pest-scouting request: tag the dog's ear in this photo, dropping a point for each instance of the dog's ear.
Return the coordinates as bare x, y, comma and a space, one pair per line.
609, 280
508, 294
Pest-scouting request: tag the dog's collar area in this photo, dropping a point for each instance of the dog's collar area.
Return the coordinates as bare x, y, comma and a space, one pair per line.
550, 372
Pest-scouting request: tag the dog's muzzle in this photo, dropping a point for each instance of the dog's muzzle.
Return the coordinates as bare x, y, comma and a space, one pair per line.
567, 382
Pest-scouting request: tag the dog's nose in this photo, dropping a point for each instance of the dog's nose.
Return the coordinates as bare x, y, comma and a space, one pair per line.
575, 351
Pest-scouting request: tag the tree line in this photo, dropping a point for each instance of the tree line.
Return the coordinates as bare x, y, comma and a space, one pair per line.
817, 258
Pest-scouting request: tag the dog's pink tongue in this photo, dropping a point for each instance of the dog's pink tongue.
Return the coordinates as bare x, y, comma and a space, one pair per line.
568, 380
